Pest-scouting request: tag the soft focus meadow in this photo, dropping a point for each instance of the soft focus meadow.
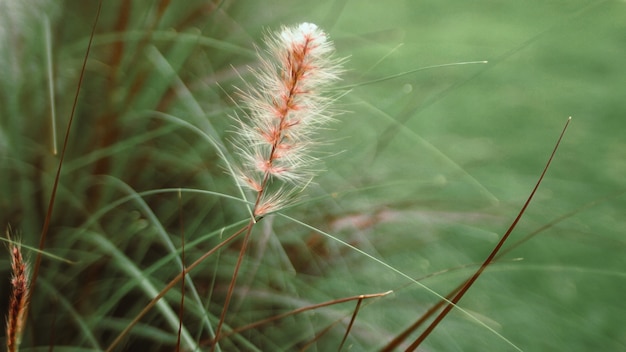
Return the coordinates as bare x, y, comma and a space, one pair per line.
446, 115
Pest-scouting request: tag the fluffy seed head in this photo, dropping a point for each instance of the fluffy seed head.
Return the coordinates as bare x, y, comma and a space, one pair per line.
283, 112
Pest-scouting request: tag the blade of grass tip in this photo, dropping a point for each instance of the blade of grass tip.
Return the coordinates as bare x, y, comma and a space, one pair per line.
182, 258
168, 287
46, 225
48, 39
493, 253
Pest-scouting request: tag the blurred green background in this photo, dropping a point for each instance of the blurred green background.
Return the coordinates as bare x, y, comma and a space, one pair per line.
426, 171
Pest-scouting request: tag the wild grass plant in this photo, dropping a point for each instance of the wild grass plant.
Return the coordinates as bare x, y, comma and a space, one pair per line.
151, 238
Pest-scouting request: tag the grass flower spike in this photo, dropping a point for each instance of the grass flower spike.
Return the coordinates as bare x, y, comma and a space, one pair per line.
20, 294
283, 114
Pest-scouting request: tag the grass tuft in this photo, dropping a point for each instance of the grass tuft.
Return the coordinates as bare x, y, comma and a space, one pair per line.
170, 173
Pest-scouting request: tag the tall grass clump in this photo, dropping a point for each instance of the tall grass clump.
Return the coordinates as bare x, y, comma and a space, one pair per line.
172, 153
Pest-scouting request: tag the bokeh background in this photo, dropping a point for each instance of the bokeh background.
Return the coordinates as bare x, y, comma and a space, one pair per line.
429, 164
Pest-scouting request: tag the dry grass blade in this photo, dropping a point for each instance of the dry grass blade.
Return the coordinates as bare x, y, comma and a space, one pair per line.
466, 286
455, 295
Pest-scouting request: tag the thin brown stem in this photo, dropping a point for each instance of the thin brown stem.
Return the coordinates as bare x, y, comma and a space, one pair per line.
57, 177
231, 287
391, 346
491, 256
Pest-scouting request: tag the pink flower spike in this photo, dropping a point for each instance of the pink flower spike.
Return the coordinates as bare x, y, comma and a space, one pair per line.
283, 113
